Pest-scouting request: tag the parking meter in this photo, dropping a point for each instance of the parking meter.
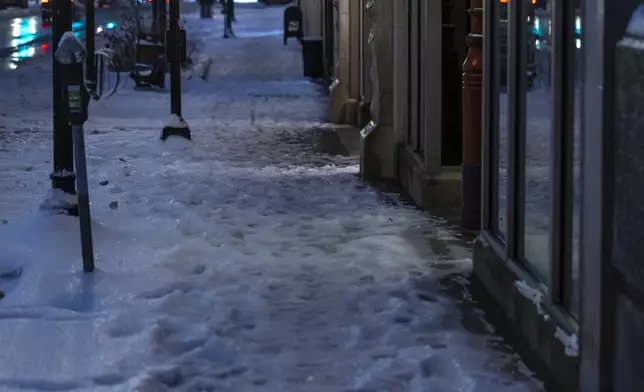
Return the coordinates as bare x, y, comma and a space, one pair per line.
70, 55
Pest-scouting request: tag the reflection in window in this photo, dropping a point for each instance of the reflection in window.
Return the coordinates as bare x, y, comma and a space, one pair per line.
538, 143
502, 151
574, 305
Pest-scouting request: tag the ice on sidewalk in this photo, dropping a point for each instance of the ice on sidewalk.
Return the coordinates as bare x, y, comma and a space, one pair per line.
252, 259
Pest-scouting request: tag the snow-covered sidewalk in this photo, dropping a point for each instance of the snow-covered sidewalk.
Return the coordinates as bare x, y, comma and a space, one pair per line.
252, 259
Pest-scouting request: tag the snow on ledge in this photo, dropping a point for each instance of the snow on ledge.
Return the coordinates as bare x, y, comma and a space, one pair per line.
570, 342
535, 295
633, 43
481, 240
531, 293
175, 121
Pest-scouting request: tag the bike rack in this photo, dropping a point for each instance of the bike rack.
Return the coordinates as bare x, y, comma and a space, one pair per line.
105, 62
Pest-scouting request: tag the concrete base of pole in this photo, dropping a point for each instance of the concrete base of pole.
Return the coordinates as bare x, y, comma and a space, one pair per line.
471, 196
168, 131
176, 126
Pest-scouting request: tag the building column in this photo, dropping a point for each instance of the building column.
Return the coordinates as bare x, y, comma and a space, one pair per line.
364, 114
328, 35
378, 142
434, 98
454, 31
472, 121
420, 103
312, 17
402, 77
612, 304
345, 90
355, 36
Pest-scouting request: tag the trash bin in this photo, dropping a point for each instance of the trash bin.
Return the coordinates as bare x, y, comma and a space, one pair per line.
312, 57
293, 23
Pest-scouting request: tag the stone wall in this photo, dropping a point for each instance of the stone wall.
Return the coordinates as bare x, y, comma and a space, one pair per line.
628, 214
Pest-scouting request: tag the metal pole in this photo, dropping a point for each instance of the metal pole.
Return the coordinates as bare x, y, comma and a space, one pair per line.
62, 177
155, 18
175, 128
228, 24
90, 38
87, 246
224, 6
175, 63
163, 16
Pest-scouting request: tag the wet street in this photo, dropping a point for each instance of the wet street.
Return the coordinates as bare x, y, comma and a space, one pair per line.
27, 36
23, 35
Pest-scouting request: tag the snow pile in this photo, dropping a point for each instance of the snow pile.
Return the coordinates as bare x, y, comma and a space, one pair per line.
56, 199
200, 69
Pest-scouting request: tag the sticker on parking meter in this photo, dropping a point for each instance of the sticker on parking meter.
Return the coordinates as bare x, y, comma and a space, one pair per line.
74, 98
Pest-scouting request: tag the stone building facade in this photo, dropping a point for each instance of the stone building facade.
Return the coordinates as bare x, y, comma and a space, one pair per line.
386, 79
554, 133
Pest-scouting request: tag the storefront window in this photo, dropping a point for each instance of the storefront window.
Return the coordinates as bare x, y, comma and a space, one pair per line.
534, 146
502, 146
574, 305
538, 140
